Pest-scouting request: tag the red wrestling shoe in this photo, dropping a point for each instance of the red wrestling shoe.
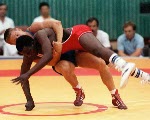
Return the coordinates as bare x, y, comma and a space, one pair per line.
79, 96
117, 101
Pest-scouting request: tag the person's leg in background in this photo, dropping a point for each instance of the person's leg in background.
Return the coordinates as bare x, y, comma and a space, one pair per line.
87, 60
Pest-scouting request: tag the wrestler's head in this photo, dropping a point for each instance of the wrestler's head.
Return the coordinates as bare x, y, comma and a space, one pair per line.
11, 34
25, 45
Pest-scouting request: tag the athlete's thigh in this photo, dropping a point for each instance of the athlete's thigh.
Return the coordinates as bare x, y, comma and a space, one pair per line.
90, 43
64, 66
87, 60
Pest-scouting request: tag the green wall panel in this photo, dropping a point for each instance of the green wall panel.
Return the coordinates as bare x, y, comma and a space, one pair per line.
111, 13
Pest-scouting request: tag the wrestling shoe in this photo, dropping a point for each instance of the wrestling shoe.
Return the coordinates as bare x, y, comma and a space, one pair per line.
117, 101
146, 80
126, 72
79, 96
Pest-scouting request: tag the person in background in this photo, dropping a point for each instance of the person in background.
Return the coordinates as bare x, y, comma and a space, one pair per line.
5, 23
44, 11
102, 36
130, 43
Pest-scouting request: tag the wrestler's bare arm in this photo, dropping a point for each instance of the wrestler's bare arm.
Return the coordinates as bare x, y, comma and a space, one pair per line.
54, 24
53, 62
56, 55
26, 64
47, 52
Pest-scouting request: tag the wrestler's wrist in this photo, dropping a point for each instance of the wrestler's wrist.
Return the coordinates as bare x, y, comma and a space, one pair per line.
29, 73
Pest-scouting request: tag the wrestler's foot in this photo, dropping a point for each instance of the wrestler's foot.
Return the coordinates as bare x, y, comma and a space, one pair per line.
126, 72
29, 105
79, 96
117, 101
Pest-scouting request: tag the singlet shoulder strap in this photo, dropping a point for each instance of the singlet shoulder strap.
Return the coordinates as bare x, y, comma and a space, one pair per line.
30, 32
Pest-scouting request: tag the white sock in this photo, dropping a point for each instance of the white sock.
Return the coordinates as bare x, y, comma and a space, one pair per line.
140, 74
78, 86
113, 91
118, 61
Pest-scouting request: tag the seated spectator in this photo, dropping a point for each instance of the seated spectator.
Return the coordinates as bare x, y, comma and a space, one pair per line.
130, 43
44, 11
102, 36
6, 22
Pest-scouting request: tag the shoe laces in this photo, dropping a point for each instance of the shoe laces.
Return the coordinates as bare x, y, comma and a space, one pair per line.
117, 96
79, 94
